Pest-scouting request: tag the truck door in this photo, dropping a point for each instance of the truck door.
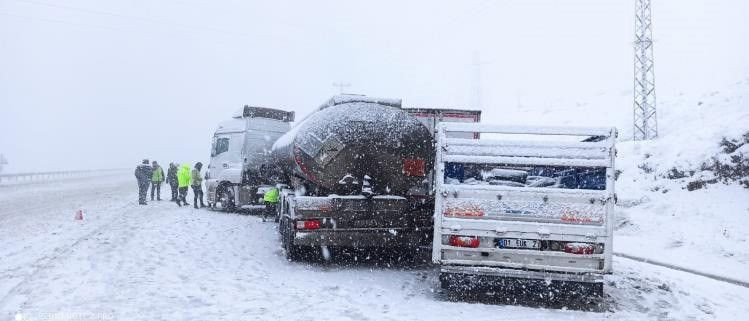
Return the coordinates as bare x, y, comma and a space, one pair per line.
226, 153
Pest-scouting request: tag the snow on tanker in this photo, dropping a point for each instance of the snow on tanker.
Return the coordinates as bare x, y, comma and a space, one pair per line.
354, 174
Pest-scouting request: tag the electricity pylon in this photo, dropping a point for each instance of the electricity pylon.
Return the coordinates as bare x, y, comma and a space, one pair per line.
645, 120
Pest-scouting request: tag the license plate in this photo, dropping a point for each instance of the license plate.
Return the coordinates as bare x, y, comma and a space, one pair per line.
519, 244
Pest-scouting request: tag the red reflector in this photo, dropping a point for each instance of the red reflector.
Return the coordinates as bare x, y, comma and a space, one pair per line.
414, 167
475, 211
578, 248
308, 225
464, 241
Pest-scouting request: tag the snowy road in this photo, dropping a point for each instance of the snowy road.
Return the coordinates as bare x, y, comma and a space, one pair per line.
161, 262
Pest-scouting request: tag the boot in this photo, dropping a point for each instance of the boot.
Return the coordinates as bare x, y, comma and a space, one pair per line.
196, 206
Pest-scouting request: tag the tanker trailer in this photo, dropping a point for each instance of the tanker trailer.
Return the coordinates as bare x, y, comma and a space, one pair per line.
349, 168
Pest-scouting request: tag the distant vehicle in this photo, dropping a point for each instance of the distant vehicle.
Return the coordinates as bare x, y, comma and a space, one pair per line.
356, 175
529, 204
240, 154
3, 161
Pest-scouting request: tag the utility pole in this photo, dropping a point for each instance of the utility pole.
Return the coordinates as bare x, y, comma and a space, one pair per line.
341, 85
645, 120
476, 98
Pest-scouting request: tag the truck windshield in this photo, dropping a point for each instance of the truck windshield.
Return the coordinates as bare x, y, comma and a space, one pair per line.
221, 145
526, 176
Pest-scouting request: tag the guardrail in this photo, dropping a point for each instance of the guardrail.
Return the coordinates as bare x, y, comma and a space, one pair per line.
30, 177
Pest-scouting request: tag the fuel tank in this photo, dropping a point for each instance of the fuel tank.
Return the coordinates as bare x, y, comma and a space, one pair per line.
356, 145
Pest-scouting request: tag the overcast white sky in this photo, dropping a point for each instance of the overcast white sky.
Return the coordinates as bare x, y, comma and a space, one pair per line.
102, 84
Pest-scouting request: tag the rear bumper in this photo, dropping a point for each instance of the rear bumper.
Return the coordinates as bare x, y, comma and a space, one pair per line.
374, 237
488, 273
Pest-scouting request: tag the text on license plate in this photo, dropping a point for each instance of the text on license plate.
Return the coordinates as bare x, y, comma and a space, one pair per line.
519, 244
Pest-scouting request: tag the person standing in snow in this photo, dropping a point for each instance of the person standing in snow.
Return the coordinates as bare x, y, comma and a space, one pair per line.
271, 200
183, 182
197, 185
143, 173
156, 179
171, 179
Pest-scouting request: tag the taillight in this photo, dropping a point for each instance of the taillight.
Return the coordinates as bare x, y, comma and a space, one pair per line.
308, 225
414, 167
464, 241
579, 248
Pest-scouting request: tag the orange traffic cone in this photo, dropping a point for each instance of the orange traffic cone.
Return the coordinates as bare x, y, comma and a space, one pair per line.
79, 215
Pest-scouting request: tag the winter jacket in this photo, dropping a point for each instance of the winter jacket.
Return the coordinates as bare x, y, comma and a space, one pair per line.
271, 196
196, 179
183, 176
158, 174
171, 175
143, 173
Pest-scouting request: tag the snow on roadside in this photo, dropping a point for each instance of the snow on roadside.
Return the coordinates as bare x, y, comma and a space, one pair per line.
658, 218
161, 262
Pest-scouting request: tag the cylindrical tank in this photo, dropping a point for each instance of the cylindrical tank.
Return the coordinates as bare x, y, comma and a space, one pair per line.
341, 148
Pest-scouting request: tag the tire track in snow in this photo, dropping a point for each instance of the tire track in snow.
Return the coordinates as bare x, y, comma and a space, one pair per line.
46, 261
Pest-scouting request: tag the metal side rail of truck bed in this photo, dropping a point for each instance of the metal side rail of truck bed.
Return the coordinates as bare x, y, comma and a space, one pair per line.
524, 202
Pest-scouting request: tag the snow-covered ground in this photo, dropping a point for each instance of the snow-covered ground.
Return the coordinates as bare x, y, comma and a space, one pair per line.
161, 262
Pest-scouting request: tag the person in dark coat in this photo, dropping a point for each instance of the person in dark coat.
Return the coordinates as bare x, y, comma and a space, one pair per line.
171, 179
143, 173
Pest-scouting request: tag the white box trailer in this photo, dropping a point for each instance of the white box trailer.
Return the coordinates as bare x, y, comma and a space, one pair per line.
524, 203
431, 118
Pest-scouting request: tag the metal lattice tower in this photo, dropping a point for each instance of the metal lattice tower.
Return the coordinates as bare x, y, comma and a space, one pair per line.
645, 120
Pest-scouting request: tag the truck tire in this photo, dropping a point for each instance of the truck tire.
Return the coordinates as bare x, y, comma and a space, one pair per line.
226, 198
294, 253
595, 290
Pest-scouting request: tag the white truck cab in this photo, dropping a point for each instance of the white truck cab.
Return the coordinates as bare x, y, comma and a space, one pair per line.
240, 154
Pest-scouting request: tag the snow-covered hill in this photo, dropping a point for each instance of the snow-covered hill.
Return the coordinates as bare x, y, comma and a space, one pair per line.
674, 204
658, 216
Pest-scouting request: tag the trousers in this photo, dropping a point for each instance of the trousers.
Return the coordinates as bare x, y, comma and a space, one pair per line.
156, 186
197, 192
142, 191
175, 191
182, 196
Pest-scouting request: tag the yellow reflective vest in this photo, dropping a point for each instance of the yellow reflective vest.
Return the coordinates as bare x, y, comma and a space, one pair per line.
271, 196
183, 175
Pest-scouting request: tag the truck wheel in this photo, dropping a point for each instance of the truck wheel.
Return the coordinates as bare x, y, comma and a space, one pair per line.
595, 290
446, 282
294, 253
225, 197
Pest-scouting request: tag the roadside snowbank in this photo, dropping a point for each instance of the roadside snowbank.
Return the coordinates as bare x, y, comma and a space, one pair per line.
658, 217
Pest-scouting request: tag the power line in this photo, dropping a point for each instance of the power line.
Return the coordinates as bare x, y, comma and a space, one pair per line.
60, 21
138, 18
